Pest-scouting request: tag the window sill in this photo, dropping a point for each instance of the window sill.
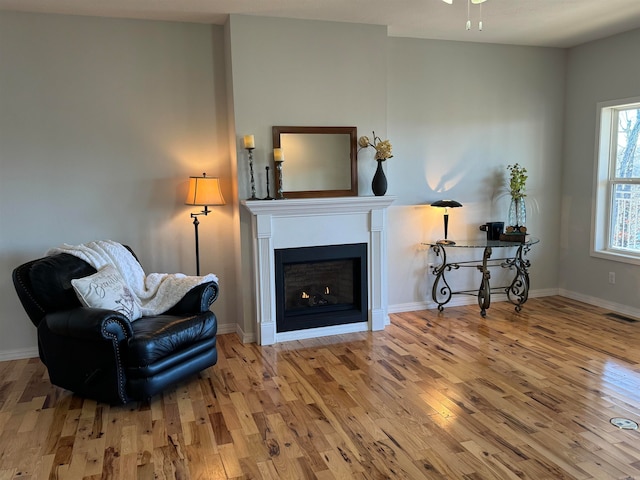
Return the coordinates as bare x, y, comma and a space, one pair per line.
616, 256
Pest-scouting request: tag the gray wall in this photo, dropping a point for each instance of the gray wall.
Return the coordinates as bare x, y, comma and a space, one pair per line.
102, 121
456, 113
598, 71
295, 72
459, 113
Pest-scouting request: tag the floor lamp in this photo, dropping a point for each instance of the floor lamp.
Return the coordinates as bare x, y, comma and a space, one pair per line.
203, 191
446, 204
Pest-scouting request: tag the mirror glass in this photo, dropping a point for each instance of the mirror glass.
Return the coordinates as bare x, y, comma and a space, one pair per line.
318, 161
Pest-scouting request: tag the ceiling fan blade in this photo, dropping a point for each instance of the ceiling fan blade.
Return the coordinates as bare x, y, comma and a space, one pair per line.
450, 2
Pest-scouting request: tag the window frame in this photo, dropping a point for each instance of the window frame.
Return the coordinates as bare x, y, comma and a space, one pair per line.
605, 181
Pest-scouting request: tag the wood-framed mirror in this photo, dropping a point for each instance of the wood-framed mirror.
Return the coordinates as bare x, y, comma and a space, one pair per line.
318, 161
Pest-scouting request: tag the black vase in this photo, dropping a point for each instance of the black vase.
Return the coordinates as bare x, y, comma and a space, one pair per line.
379, 183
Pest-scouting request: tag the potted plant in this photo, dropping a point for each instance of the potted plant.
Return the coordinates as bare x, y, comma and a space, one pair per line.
517, 210
383, 151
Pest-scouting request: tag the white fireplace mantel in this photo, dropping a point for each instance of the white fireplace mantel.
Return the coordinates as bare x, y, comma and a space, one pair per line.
308, 222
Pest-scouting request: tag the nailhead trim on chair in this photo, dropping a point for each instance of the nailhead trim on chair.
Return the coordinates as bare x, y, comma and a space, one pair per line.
209, 299
114, 339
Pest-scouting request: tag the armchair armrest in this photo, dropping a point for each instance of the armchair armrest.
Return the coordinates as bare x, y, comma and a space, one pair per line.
197, 300
90, 324
84, 349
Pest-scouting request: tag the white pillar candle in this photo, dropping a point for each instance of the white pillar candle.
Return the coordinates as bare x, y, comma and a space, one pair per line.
278, 155
249, 141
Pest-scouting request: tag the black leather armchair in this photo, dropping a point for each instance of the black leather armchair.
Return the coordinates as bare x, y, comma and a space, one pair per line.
99, 353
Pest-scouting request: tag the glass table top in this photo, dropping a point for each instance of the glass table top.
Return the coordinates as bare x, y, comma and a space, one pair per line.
483, 243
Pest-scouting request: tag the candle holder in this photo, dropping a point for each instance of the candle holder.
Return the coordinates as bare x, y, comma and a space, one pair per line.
253, 182
279, 193
268, 197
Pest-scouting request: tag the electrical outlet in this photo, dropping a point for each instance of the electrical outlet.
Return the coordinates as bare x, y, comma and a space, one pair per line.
612, 278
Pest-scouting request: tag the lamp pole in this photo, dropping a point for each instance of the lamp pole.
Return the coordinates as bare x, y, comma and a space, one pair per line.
196, 222
446, 222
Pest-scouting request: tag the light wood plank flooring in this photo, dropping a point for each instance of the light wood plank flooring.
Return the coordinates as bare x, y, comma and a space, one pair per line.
436, 396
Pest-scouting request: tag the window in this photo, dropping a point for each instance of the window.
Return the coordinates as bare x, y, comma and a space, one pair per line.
616, 232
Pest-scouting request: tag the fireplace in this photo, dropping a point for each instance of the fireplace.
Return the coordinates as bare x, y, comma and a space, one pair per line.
320, 286
299, 223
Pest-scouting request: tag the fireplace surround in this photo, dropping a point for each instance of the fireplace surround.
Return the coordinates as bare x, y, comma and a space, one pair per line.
310, 222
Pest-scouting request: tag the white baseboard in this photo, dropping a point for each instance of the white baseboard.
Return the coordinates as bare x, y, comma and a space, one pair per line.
248, 337
19, 354
462, 300
410, 307
227, 328
242, 335
599, 302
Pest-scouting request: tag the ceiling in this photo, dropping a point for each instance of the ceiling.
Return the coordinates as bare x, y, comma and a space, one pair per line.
548, 23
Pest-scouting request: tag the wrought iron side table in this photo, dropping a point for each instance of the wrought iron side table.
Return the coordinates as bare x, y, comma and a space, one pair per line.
517, 292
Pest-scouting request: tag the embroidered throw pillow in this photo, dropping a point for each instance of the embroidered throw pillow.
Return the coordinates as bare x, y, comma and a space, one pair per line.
107, 289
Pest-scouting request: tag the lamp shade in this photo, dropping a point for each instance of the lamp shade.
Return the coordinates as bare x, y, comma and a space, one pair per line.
204, 191
446, 204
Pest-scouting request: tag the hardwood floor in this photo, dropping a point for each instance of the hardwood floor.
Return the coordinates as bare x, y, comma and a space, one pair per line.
436, 396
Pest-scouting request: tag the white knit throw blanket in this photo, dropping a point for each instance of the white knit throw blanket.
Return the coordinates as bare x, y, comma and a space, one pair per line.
156, 293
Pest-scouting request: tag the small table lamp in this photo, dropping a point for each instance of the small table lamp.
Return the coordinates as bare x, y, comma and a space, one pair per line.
203, 191
446, 204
